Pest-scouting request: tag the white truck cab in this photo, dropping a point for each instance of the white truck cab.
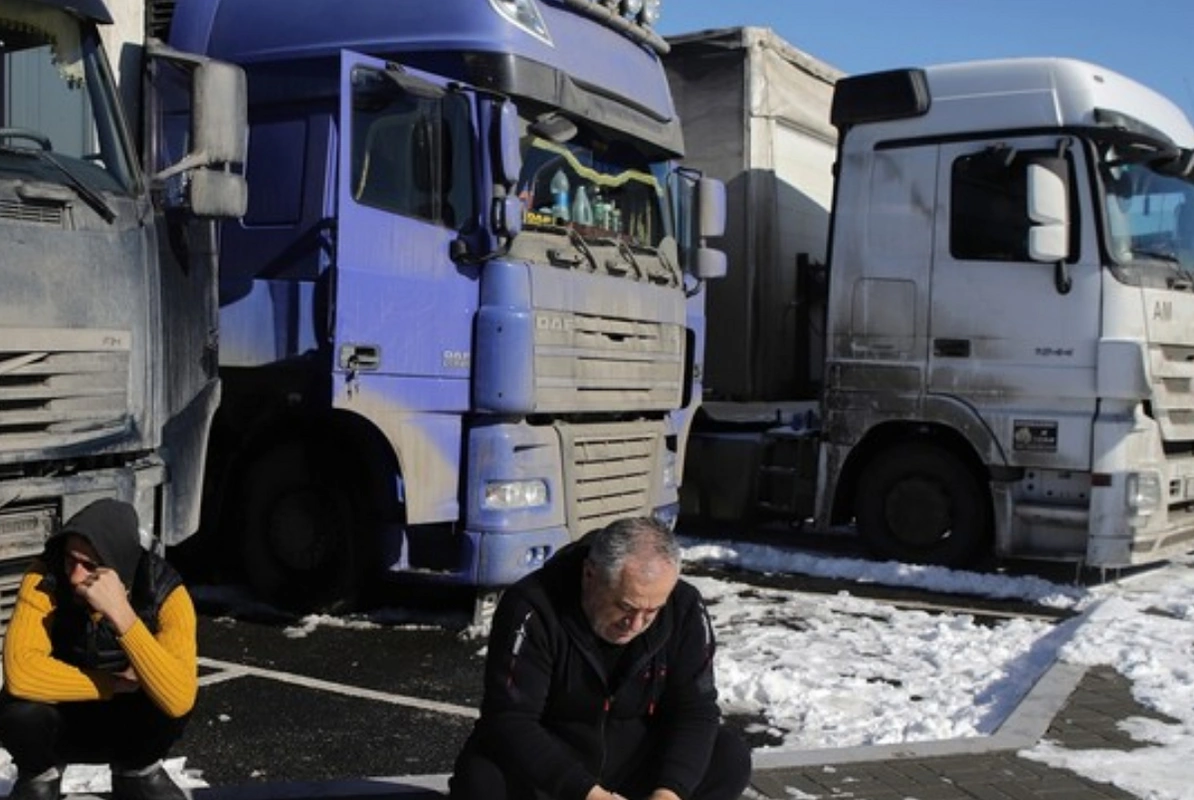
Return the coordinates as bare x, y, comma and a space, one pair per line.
1010, 323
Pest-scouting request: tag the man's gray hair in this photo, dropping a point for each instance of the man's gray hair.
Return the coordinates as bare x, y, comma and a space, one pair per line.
610, 546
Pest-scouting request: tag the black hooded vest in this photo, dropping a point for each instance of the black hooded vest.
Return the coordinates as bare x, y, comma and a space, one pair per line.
84, 642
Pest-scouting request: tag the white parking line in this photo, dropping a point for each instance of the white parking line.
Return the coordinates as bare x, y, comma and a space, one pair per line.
230, 670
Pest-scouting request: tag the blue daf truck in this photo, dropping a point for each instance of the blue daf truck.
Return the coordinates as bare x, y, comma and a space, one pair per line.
108, 374
461, 322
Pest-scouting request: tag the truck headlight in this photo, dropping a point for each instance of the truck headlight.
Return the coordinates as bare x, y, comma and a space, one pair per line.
670, 477
511, 495
1143, 493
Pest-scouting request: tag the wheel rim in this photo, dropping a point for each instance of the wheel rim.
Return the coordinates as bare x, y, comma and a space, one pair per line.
303, 531
917, 512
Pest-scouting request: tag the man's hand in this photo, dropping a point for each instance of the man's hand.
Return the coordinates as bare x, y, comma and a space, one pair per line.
104, 592
663, 794
601, 793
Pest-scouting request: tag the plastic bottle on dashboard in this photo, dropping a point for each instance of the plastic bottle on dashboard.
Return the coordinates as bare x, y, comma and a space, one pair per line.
582, 211
559, 192
600, 209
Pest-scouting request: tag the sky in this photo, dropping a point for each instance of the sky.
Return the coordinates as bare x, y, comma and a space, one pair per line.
1148, 40
822, 671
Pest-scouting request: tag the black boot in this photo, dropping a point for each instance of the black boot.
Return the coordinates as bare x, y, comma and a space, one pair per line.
151, 783
46, 786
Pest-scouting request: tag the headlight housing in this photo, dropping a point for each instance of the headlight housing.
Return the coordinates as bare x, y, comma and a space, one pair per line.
1143, 493
671, 477
514, 495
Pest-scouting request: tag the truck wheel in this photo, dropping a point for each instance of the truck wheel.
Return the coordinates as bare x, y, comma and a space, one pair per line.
300, 541
922, 504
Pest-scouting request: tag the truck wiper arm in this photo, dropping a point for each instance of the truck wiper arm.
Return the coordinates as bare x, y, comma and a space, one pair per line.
89, 195
580, 244
628, 254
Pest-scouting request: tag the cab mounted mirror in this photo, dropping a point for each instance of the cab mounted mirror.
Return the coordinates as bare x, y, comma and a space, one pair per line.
711, 206
220, 119
206, 179
1048, 211
509, 149
711, 222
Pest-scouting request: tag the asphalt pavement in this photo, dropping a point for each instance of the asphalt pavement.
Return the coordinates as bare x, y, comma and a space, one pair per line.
388, 722
1071, 706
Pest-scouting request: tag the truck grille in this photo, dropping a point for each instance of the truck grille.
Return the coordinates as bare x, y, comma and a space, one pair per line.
587, 362
59, 388
609, 471
33, 213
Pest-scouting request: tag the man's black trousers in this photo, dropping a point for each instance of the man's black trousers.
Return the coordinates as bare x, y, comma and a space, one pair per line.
128, 732
477, 777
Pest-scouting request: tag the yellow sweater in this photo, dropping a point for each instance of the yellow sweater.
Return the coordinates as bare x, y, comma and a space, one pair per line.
166, 663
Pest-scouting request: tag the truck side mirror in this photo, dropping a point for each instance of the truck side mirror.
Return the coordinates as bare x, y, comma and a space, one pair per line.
711, 222
507, 215
218, 195
509, 151
711, 207
220, 119
205, 180
710, 264
1048, 211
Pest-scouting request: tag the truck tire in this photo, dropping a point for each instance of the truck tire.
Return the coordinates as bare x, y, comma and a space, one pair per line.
920, 503
301, 537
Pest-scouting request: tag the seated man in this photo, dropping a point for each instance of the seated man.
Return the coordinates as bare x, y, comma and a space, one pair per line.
100, 662
599, 682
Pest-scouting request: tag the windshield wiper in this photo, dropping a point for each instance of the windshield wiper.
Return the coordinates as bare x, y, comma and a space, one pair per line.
580, 244
572, 257
89, 195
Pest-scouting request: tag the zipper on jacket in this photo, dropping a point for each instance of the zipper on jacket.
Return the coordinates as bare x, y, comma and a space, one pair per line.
605, 708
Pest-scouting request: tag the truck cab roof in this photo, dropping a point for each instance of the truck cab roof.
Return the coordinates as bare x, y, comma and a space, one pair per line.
1008, 94
581, 64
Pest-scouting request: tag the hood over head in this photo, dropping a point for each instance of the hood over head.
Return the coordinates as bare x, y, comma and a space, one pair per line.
112, 528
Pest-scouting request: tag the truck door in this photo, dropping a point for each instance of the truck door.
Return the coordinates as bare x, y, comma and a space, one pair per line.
402, 319
402, 309
1012, 340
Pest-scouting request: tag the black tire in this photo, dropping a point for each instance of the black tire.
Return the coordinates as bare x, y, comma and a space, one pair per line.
303, 529
921, 504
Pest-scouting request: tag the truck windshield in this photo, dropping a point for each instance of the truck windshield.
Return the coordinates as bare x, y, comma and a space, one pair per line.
1149, 216
59, 114
601, 190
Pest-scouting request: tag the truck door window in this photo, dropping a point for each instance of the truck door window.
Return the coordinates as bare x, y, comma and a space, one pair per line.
411, 154
988, 205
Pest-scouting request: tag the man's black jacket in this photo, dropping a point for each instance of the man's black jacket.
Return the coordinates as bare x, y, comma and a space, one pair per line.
552, 718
